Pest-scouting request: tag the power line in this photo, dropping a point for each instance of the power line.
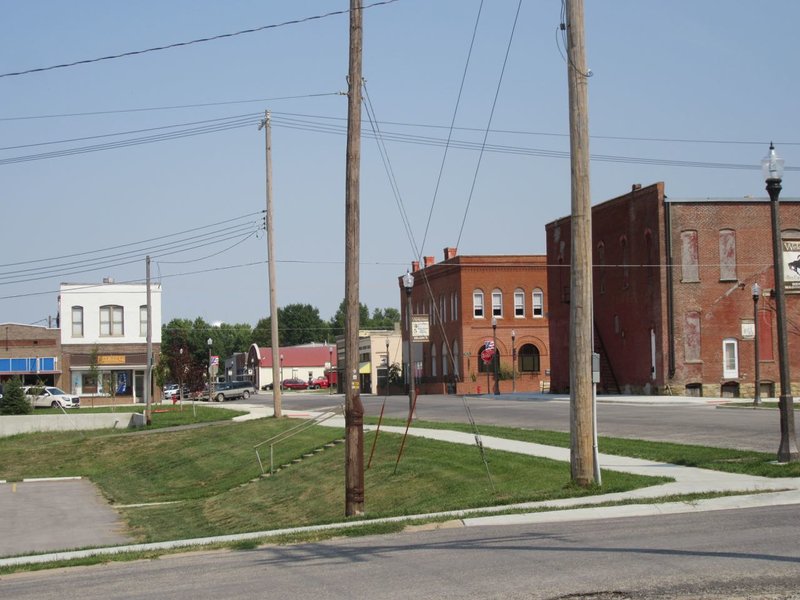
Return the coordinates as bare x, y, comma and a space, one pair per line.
191, 42
168, 107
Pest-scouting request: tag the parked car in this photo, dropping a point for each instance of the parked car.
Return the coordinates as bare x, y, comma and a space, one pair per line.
47, 396
319, 382
230, 390
295, 384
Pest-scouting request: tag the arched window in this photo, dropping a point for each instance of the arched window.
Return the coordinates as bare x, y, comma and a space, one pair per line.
433, 360
538, 303
143, 321
77, 321
497, 303
519, 303
445, 360
456, 358
529, 359
477, 304
484, 367
112, 321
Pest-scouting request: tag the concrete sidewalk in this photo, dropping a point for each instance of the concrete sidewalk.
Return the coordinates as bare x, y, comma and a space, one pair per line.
687, 480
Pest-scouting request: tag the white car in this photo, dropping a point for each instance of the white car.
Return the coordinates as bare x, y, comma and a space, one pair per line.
47, 396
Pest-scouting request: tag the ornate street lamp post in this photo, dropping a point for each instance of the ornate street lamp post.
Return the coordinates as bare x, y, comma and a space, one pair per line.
772, 167
757, 393
408, 284
513, 361
496, 357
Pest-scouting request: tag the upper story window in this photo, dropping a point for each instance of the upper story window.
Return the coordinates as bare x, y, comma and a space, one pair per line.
519, 303
689, 257
477, 304
727, 255
143, 321
111, 321
497, 303
538, 303
77, 321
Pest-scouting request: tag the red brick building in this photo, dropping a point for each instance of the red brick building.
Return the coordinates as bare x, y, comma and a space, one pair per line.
672, 286
463, 296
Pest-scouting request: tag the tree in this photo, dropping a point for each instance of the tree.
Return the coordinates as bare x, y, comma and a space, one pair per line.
336, 323
14, 401
262, 333
300, 324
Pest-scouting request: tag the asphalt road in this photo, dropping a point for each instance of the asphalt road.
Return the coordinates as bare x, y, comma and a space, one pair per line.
732, 554
703, 424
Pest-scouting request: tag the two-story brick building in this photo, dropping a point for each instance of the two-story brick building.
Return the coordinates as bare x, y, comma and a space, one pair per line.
473, 302
105, 325
673, 306
30, 352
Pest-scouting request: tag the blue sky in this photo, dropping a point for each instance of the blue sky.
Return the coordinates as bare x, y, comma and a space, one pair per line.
721, 77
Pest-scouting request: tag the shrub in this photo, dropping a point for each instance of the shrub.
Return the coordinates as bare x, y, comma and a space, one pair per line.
14, 401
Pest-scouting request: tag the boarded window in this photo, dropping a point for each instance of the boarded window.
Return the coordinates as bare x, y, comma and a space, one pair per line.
691, 336
689, 266
727, 255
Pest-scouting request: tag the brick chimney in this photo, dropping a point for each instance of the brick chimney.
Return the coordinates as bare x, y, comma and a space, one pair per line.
414, 266
450, 253
429, 260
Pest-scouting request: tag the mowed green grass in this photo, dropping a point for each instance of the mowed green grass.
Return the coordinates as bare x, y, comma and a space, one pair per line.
212, 482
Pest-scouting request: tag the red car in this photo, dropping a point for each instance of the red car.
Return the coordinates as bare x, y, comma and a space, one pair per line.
319, 382
294, 384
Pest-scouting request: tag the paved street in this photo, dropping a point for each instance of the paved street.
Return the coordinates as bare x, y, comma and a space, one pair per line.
671, 419
730, 555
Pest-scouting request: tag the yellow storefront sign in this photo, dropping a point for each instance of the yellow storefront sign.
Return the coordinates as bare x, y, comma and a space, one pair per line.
111, 359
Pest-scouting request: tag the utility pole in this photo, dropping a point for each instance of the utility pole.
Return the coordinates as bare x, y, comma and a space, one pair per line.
148, 376
273, 302
354, 411
580, 347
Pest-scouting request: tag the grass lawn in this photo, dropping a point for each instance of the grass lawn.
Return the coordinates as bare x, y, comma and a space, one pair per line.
212, 478
163, 415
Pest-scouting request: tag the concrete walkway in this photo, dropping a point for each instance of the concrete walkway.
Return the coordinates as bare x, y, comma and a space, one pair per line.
687, 480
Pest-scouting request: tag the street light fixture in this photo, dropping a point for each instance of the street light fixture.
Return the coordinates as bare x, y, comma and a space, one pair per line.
772, 168
513, 361
757, 393
496, 356
210, 342
408, 284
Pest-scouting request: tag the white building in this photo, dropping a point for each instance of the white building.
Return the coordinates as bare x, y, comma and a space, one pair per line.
106, 325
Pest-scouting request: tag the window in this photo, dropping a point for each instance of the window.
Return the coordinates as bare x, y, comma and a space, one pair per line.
143, 321
455, 306
689, 268
538, 303
111, 321
443, 309
730, 358
727, 255
456, 358
445, 359
529, 359
77, 321
691, 336
519, 303
477, 304
497, 303
433, 360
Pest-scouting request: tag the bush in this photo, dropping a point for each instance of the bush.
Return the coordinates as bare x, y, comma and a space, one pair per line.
14, 401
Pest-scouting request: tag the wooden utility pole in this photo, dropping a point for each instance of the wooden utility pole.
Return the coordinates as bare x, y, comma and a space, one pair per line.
148, 376
273, 302
354, 411
580, 347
